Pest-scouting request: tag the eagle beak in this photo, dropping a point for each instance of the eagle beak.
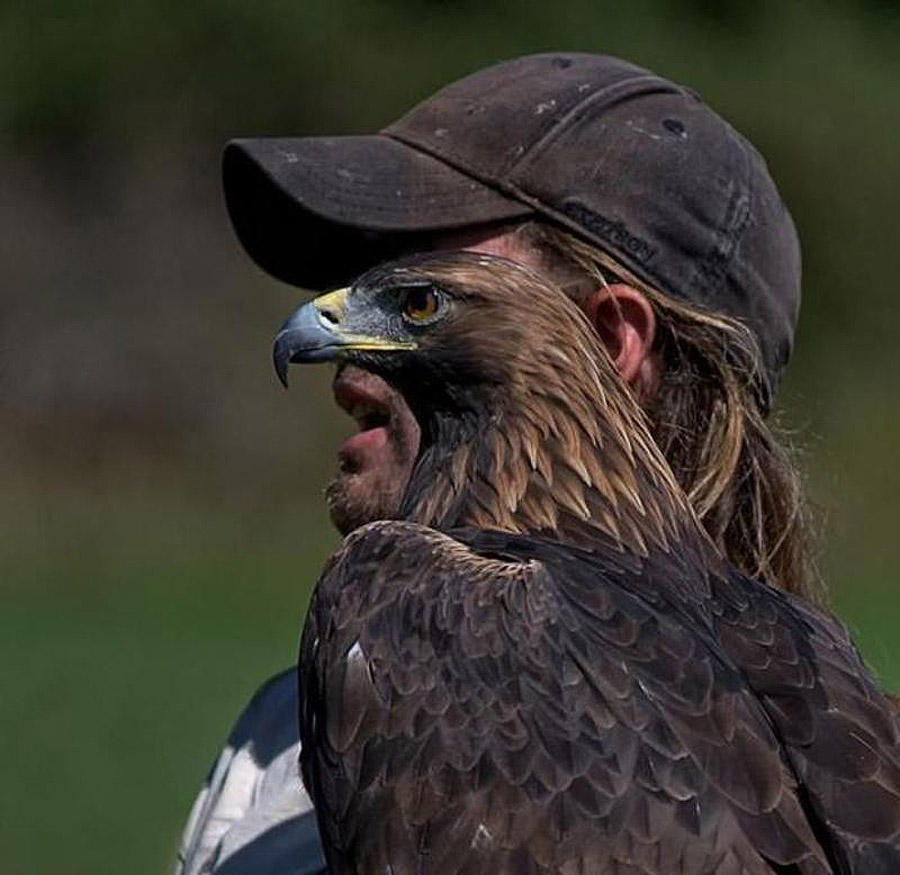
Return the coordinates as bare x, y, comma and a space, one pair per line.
316, 332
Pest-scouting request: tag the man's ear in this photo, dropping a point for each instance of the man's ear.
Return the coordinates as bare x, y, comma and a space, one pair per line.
626, 324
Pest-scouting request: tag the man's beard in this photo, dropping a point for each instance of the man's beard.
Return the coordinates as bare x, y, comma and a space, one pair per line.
374, 466
352, 506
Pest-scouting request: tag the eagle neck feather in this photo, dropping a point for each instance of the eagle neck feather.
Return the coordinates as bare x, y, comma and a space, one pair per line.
564, 459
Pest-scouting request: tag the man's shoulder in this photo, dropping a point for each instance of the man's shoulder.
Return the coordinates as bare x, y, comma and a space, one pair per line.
268, 725
254, 814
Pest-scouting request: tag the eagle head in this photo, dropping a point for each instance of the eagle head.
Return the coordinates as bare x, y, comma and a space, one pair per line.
456, 333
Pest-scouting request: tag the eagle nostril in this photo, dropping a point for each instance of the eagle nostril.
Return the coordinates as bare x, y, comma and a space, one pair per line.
330, 316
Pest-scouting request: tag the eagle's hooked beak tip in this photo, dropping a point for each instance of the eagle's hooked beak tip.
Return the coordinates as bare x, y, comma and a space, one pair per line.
281, 371
282, 353
306, 337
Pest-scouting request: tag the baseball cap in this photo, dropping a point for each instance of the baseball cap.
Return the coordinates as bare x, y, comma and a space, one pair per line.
624, 158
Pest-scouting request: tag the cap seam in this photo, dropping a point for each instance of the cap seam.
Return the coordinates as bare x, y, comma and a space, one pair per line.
483, 178
711, 271
625, 87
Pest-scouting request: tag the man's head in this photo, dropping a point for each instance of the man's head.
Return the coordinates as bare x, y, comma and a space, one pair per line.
624, 189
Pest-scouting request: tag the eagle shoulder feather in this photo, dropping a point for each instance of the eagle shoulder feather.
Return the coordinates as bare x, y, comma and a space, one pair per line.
495, 702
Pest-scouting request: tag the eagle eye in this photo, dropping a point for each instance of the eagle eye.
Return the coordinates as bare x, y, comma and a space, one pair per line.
420, 304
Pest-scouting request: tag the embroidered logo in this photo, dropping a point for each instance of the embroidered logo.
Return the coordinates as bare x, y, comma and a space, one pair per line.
613, 230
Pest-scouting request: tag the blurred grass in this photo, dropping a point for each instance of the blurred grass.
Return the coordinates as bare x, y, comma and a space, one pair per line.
132, 632
160, 511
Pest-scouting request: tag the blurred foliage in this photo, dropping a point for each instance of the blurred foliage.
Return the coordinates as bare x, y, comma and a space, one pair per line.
161, 520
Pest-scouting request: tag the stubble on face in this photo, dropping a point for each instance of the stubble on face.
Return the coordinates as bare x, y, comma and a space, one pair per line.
375, 465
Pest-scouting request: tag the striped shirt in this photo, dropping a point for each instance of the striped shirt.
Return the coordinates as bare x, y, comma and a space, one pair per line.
253, 814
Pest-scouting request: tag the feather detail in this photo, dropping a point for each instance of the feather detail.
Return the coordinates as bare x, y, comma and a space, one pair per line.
576, 682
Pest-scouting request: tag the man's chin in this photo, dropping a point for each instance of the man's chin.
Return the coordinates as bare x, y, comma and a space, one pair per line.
355, 499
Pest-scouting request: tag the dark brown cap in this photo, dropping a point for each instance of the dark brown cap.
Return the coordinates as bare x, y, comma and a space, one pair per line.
628, 160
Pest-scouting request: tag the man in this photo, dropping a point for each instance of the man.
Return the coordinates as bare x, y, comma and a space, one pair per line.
644, 206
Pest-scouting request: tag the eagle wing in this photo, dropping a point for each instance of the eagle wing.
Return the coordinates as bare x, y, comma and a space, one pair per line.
839, 731
486, 702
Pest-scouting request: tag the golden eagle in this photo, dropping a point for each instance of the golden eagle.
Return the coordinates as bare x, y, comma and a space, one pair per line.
543, 665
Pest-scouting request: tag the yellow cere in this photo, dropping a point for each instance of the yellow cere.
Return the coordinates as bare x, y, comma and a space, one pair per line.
333, 303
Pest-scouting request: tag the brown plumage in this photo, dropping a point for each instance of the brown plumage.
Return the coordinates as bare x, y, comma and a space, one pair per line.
544, 666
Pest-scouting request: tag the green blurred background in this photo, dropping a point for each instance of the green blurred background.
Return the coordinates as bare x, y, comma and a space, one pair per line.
161, 496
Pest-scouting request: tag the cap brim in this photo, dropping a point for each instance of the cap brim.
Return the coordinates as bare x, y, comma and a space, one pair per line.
317, 211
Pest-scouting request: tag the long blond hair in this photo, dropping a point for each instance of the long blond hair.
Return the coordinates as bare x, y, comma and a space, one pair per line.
736, 470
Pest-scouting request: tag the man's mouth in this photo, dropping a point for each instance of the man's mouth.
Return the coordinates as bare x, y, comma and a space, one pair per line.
366, 398
369, 415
